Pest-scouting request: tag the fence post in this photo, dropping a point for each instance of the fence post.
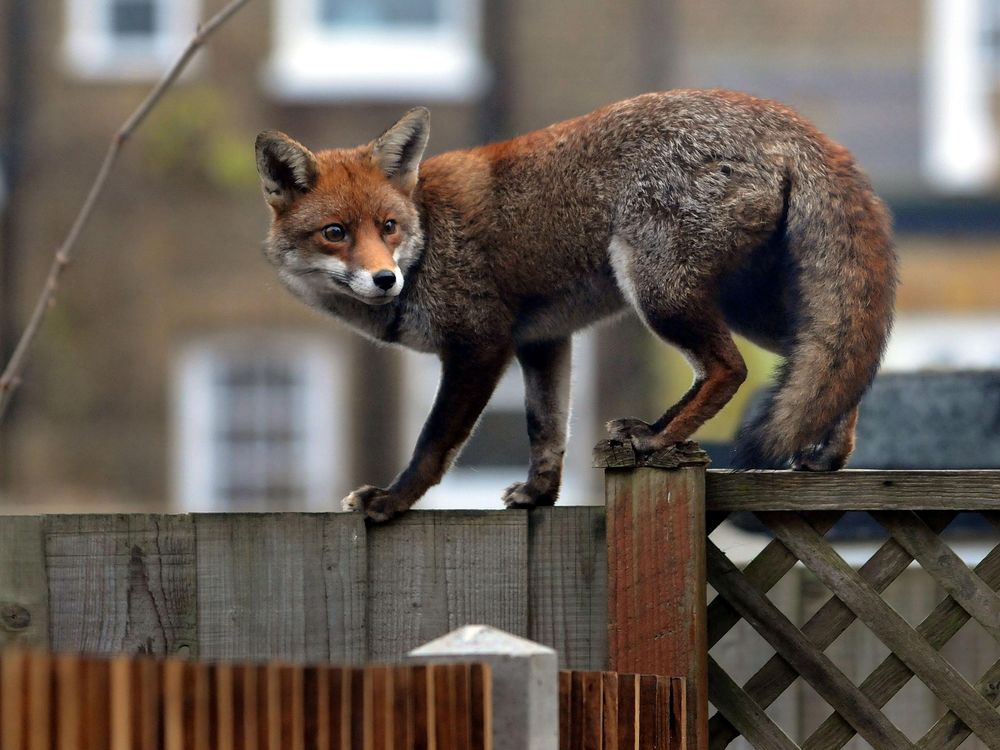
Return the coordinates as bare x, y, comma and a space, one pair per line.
525, 682
656, 569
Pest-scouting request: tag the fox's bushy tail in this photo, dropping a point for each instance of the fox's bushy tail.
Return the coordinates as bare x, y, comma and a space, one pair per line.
838, 236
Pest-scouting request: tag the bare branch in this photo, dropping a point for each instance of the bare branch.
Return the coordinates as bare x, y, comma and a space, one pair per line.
11, 377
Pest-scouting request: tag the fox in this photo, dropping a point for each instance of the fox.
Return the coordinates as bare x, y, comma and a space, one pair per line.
706, 212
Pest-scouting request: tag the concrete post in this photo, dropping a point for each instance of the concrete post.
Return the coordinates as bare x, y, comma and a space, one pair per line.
525, 683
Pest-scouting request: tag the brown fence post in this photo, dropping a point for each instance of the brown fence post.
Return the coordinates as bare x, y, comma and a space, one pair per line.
656, 569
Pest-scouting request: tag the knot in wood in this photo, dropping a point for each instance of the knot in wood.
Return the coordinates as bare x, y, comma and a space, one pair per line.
13, 616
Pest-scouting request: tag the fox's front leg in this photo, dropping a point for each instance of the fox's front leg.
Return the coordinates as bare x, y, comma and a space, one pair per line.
468, 378
546, 369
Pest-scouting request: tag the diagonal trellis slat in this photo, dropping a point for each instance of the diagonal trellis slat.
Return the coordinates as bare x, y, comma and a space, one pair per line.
889, 677
753, 723
811, 663
938, 559
940, 676
764, 571
823, 628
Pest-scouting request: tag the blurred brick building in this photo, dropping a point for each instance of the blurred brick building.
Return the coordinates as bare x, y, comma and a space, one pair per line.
176, 371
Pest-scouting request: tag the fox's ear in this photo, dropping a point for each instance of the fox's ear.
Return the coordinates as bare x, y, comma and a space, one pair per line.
398, 150
286, 168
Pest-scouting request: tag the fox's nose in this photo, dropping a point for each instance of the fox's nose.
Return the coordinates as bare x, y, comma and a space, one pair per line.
384, 279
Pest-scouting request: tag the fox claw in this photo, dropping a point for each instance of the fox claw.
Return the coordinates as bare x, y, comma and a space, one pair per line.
377, 504
522, 495
627, 429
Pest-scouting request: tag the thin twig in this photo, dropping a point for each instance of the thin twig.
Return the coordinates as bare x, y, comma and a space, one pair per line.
11, 377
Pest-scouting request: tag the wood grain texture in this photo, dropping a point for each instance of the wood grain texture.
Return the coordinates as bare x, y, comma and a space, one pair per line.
282, 586
851, 490
121, 583
432, 572
811, 663
656, 581
24, 591
567, 584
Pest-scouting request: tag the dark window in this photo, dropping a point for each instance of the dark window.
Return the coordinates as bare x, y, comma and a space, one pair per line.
379, 12
133, 17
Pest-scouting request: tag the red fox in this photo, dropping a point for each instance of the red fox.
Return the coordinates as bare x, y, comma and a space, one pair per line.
704, 211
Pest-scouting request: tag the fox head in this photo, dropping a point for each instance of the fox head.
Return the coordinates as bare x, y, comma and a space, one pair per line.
344, 220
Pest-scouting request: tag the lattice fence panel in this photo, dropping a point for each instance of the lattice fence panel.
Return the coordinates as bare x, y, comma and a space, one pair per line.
855, 595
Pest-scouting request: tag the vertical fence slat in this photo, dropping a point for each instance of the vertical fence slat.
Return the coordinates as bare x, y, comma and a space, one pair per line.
431, 572
567, 584
289, 586
24, 592
121, 583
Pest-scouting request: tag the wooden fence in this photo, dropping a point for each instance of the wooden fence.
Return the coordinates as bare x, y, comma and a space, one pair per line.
612, 711
620, 589
73, 702
69, 702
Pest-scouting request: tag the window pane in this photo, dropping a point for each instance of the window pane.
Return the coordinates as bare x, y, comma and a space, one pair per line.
378, 12
133, 17
259, 430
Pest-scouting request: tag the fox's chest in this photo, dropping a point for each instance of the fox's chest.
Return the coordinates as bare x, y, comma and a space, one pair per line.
568, 310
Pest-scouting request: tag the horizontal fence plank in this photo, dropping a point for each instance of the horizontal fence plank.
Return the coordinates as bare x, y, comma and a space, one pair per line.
849, 490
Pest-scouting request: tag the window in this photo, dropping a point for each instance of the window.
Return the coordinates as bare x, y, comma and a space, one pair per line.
497, 454
376, 49
961, 151
943, 342
127, 38
255, 426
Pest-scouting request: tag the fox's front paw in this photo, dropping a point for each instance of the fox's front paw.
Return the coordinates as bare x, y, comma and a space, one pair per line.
524, 495
378, 504
628, 428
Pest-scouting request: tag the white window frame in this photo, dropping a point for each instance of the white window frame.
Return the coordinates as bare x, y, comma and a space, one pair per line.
961, 152
314, 61
327, 458
466, 487
91, 50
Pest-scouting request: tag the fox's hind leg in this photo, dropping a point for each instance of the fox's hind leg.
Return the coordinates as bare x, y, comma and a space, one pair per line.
833, 452
676, 299
546, 367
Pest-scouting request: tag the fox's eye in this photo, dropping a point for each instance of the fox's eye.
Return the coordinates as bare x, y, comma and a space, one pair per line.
389, 226
334, 233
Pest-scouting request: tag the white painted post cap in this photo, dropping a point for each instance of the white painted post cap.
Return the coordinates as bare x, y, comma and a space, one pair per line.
525, 682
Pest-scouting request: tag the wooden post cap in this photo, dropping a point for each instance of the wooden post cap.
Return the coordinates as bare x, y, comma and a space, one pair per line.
618, 454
